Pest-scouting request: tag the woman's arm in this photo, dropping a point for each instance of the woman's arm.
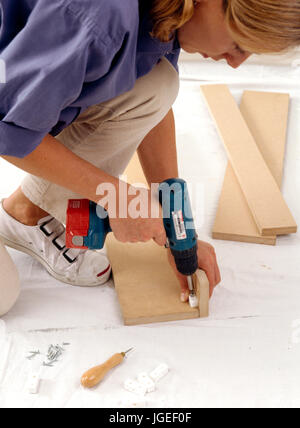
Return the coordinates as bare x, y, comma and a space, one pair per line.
52, 161
158, 154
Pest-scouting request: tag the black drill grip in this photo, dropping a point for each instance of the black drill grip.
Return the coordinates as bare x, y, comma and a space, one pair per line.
186, 261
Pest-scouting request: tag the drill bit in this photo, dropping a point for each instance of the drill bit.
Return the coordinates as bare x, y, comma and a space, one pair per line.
193, 300
190, 284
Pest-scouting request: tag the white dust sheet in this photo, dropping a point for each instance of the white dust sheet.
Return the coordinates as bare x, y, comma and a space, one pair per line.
247, 353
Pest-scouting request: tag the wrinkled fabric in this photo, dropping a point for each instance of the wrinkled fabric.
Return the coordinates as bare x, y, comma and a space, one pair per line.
66, 55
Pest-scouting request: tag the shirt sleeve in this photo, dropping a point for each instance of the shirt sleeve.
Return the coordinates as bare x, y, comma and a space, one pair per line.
45, 70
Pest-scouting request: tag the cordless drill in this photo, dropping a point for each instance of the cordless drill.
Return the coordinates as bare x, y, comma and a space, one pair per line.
88, 225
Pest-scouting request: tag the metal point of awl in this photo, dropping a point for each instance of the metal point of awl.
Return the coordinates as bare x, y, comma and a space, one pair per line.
127, 352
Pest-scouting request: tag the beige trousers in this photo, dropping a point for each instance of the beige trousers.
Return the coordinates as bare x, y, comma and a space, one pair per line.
9, 281
108, 134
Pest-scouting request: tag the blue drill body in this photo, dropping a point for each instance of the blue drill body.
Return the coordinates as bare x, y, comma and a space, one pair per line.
179, 224
177, 214
99, 228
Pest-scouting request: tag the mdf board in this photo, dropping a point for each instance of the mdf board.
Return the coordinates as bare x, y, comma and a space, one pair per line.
266, 115
269, 210
147, 288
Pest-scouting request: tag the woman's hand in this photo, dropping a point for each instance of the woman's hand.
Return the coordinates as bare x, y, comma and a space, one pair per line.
207, 261
136, 228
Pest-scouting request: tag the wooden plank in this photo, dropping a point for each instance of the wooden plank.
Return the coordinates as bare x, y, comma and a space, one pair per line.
201, 286
147, 288
271, 213
266, 115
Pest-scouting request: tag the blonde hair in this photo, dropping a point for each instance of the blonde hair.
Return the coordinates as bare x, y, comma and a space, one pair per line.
260, 26
264, 26
168, 16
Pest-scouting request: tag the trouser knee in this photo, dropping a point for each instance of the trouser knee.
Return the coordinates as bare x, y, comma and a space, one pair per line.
163, 90
9, 282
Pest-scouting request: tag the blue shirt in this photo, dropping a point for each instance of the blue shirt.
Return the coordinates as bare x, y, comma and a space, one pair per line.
63, 56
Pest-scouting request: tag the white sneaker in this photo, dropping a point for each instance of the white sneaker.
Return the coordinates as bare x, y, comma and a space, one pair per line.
46, 243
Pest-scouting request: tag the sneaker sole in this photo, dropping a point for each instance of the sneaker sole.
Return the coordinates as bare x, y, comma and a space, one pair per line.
43, 262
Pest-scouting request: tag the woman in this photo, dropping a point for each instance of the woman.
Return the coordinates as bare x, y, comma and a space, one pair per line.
91, 82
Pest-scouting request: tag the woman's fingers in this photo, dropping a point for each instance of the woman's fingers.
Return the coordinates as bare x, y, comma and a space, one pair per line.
208, 262
210, 273
218, 274
160, 239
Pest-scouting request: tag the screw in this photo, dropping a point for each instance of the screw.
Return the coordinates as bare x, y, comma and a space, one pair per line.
33, 355
47, 364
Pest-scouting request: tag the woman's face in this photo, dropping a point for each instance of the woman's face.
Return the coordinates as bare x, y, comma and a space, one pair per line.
206, 33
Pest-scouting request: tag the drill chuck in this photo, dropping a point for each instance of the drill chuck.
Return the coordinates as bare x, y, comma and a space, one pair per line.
186, 260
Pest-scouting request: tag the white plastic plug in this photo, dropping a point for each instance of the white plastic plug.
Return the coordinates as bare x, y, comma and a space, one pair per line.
132, 385
33, 383
145, 380
193, 301
161, 371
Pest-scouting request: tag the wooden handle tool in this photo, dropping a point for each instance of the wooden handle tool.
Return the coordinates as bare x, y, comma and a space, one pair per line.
95, 375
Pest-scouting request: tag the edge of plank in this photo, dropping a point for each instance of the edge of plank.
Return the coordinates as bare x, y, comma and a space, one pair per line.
160, 319
263, 240
201, 285
279, 231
